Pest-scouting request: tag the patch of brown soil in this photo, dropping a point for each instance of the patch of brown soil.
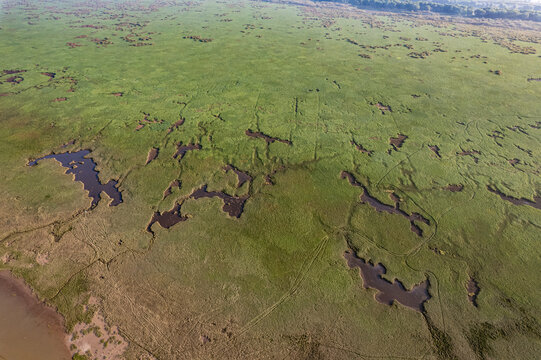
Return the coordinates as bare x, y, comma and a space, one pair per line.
398, 141
11, 72
147, 120
51, 75
197, 38
471, 153
183, 149
361, 148
15, 79
176, 124
454, 187
383, 108
435, 149
97, 340
267, 138
152, 154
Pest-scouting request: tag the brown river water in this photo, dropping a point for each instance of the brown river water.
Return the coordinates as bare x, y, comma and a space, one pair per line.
29, 329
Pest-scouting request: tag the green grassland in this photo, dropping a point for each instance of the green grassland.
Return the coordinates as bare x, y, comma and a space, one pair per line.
273, 283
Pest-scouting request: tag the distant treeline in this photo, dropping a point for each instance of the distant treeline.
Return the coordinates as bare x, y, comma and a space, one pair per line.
447, 9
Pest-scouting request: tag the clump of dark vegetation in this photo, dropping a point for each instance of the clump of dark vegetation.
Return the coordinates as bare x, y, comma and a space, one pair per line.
443, 346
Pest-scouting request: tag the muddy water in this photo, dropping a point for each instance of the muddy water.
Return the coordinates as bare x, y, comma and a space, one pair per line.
84, 170
29, 329
388, 292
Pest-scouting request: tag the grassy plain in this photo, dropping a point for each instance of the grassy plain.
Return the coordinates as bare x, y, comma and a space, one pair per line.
273, 283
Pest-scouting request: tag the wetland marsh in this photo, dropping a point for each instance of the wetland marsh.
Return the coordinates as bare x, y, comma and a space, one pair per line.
267, 179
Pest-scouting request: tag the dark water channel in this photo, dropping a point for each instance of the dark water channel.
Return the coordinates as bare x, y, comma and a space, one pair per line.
84, 170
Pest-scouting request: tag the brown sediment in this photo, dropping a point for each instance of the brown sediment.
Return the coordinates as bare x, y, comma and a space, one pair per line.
152, 154
15, 79
73, 45
361, 148
454, 187
398, 141
182, 149
5, 94
232, 205
536, 203
435, 149
473, 290
366, 198
51, 75
96, 339
471, 153
176, 124
268, 180
168, 218
383, 108
388, 292
11, 72
103, 42
60, 99
146, 120
169, 190
514, 161
84, 170
69, 143
267, 138
419, 55
197, 38
31, 328
117, 94
537, 125
242, 177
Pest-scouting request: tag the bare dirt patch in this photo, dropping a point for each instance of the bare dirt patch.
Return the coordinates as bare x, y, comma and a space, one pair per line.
361, 148
97, 340
183, 149
398, 141
267, 138
152, 154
